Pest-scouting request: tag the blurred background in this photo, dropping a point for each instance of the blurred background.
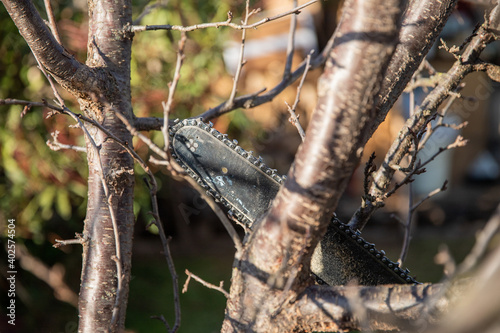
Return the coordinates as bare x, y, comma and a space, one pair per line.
45, 191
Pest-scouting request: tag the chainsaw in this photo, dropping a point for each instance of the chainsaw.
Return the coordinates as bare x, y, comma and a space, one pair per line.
246, 187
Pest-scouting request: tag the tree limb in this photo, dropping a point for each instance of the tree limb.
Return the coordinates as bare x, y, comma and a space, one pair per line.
299, 216
56, 60
424, 113
387, 308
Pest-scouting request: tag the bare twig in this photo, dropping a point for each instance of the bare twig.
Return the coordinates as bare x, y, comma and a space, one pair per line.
291, 44
226, 23
52, 20
163, 320
246, 101
168, 105
55, 145
205, 283
407, 228
424, 114
109, 197
77, 240
408, 224
444, 258
152, 186
213, 205
294, 118
241, 61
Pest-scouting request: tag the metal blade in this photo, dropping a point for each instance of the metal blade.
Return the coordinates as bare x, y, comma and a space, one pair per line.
246, 186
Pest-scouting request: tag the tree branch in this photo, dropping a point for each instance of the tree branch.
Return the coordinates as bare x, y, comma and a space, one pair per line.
387, 308
424, 113
422, 23
226, 23
51, 55
299, 216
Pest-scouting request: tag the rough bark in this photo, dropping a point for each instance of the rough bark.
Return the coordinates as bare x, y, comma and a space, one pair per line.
384, 307
109, 52
274, 268
422, 23
422, 115
102, 87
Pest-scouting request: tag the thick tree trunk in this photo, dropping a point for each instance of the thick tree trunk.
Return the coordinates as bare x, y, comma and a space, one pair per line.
102, 88
273, 271
109, 51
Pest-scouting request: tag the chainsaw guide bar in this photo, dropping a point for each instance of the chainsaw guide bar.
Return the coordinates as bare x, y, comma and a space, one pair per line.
247, 187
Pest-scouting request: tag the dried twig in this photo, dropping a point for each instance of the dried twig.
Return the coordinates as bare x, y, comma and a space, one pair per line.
291, 44
241, 61
79, 239
168, 105
52, 21
246, 101
55, 145
205, 283
226, 23
423, 115
294, 118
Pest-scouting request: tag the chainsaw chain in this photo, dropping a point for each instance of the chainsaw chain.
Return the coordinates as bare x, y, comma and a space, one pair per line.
370, 248
347, 232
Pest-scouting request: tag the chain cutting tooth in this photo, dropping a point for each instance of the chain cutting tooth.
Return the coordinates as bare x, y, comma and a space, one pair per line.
277, 178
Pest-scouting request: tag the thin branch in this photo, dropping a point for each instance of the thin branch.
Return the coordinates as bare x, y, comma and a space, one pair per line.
294, 118
77, 240
163, 320
210, 201
168, 105
205, 283
246, 101
52, 20
55, 145
407, 228
241, 61
152, 186
290, 50
109, 197
422, 117
411, 211
482, 241
53, 276
44, 46
226, 23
